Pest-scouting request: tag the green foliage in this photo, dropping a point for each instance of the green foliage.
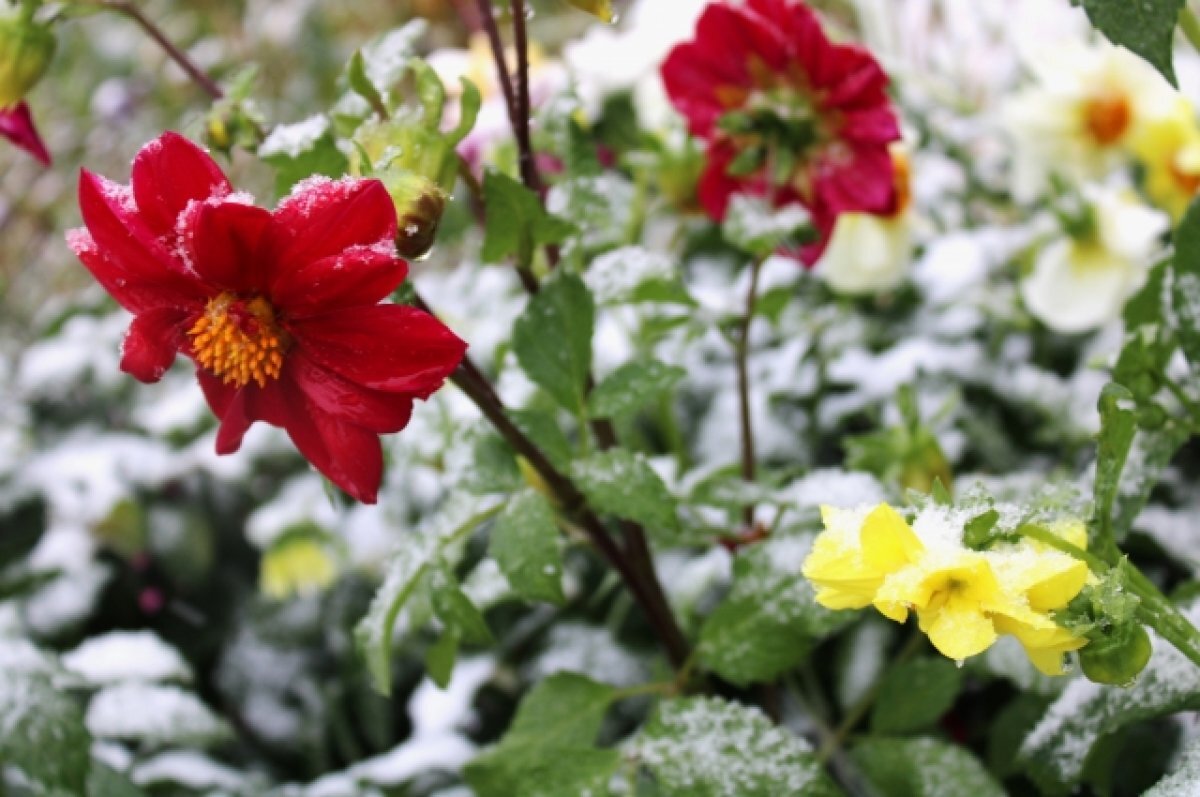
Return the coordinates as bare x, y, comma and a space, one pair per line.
621, 483
758, 230
42, 733
525, 544
440, 658
516, 221
1147, 27
633, 386
770, 620
914, 695
553, 339
300, 151
1118, 424
923, 768
707, 747
1185, 294
549, 749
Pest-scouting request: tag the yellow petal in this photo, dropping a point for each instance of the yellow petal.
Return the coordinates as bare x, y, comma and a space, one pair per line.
1047, 661
959, 629
1057, 589
887, 541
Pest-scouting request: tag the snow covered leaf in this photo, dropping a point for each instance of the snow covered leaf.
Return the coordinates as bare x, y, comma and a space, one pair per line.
769, 620
632, 386
636, 274
525, 543
549, 749
1118, 424
758, 230
619, 482
1147, 27
127, 656
923, 768
553, 339
42, 733
454, 608
915, 694
1148, 458
1185, 295
301, 150
1184, 777
1055, 753
516, 222
603, 206
707, 747
153, 716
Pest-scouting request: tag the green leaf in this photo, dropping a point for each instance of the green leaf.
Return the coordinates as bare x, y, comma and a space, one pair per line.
103, 781
302, 150
1055, 752
1183, 777
1118, 424
360, 84
525, 544
914, 695
543, 429
1146, 462
454, 608
636, 274
623, 484
923, 768
707, 747
770, 619
549, 749
601, 9
1185, 290
493, 466
632, 386
516, 221
408, 579
42, 733
1147, 27
440, 658
553, 339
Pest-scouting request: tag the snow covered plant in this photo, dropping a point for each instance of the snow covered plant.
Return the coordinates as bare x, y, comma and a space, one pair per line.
661, 398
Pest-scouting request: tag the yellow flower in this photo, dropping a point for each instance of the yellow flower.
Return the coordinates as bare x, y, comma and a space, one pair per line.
1169, 148
857, 550
296, 566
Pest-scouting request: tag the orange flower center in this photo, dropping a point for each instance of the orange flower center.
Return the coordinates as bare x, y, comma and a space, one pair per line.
238, 340
1107, 117
1188, 181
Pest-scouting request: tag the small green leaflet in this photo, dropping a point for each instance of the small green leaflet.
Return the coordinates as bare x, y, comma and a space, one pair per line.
1147, 27
621, 483
553, 339
302, 150
525, 544
906, 767
707, 747
42, 733
1118, 424
516, 221
440, 658
549, 751
632, 386
914, 695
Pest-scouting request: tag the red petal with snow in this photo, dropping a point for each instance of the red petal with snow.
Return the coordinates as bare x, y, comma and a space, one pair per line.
227, 245
16, 124
323, 217
169, 173
390, 347
358, 276
152, 342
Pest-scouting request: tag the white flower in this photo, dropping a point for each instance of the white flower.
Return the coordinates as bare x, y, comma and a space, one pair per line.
608, 61
869, 253
1077, 121
1080, 284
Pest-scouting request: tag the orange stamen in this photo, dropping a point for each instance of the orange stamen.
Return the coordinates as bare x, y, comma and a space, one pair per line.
239, 341
1107, 117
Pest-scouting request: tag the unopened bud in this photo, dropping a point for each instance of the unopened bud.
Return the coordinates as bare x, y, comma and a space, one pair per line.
26, 48
1116, 658
420, 203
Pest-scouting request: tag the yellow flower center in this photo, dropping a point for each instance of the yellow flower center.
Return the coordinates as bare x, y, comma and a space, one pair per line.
1107, 117
238, 340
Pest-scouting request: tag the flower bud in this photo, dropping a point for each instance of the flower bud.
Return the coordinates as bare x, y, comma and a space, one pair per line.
420, 203
26, 48
1117, 657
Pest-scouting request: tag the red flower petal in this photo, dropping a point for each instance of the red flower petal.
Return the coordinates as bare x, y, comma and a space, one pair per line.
870, 126
238, 408
16, 124
860, 182
361, 275
227, 245
170, 172
127, 245
152, 342
388, 347
135, 295
324, 217
348, 455
373, 410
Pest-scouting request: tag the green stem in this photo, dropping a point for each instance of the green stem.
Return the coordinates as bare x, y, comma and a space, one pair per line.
1177, 390
1190, 26
742, 355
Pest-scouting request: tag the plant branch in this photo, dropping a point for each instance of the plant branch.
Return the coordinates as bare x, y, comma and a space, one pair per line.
646, 590
742, 354
488, 19
175, 53
528, 166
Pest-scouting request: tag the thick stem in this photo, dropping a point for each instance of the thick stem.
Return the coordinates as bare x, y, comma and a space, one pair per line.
742, 354
488, 19
197, 75
641, 582
520, 122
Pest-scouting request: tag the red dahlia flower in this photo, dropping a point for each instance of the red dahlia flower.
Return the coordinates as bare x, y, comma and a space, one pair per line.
280, 310
787, 113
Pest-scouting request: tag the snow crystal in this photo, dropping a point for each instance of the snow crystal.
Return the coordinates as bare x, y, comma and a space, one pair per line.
127, 656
